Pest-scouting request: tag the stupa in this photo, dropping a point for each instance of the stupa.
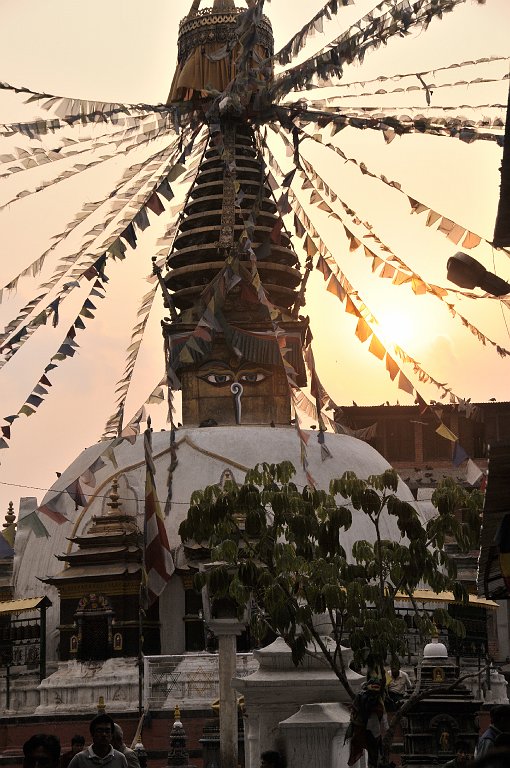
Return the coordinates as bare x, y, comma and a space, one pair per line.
234, 344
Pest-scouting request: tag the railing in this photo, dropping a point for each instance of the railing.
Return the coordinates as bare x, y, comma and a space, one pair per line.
188, 679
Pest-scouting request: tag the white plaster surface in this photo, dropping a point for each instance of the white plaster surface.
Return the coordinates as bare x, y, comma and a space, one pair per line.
203, 454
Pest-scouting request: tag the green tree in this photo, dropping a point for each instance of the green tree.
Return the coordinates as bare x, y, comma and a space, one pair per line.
280, 548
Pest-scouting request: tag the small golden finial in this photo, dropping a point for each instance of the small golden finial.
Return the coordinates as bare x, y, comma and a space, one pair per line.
177, 712
10, 516
114, 502
101, 706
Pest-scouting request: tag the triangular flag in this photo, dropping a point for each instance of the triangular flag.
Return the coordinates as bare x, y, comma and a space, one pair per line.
405, 384
377, 348
459, 455
335, 287
471, 240
350, 308
33, 523
473, 472
363, 330
443, 431
391, 367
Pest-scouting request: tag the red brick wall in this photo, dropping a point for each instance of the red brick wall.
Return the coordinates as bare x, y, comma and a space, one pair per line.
156, 733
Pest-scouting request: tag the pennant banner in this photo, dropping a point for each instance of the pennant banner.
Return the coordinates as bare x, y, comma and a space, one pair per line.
420, 75
354, 305
471, 240
397, 17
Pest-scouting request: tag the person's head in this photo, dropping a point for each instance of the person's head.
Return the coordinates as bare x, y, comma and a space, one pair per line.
118, 736
41, 751
395, 668
270, 759
502, 741
462, 752
77, 743
101, 730
495, 758
500, 717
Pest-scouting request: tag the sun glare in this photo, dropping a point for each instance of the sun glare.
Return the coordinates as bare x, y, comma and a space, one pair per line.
396, 326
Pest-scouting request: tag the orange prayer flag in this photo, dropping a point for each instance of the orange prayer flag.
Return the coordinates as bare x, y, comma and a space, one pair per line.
376, 263
399, 278
419, 287
377, 348
363, 330
350, 308
388, 271
471, 240
391, 367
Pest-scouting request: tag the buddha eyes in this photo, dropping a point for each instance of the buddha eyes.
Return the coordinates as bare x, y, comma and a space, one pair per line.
218, 379
253, 377
223, 379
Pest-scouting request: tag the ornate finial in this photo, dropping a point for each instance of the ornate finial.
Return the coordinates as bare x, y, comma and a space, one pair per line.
177, 712
101, 706
10, 516
114, 502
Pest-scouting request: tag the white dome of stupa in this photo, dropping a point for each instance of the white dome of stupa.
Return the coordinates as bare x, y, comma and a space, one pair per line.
203, 456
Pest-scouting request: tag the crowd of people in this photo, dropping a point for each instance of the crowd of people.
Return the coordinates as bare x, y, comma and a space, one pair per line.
107, 747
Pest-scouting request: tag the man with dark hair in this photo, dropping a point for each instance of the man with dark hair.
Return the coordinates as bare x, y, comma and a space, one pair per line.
77, 745
270, 759
41, 751
100, 752
118, 744
462, 756
500, 723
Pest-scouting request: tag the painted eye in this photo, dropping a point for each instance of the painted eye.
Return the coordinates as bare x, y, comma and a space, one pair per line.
218, 379
252, 378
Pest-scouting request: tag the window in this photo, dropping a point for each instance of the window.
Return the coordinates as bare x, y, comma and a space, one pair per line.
399, 440
194, 629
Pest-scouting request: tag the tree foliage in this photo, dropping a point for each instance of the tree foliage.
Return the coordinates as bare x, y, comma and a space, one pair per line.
281, 549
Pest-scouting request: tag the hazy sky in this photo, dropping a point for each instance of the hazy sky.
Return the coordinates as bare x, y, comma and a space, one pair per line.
124, 51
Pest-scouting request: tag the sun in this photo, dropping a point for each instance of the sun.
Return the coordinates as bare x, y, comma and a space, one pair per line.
396, 326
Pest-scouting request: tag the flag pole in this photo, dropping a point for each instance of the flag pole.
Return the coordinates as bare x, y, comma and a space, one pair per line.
142, 598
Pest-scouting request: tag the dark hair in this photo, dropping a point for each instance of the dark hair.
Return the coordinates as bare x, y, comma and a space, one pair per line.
272, 757
502, 741
78, 739
46, 740
462, 746
500, 716
98, 720
496, 758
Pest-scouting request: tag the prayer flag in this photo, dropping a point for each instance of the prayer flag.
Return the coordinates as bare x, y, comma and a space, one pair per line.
50, 510
459, 455
158, 561
443, 431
